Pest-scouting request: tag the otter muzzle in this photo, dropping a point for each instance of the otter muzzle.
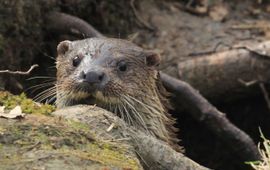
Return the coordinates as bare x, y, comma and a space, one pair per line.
95, 80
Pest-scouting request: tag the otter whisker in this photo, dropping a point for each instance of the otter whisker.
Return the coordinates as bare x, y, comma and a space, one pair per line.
129, 119
63, 97
146, 106
110, 106
51, 89
42, 77
122, 114
40, 86
137, 115
47, 92
121, 111
150, 110
47, 96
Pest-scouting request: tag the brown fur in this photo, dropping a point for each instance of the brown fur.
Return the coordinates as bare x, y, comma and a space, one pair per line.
136, 95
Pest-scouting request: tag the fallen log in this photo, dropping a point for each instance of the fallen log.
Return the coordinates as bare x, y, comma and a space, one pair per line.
229, 74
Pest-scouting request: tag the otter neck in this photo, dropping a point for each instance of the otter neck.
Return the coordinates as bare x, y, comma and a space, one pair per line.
146, 113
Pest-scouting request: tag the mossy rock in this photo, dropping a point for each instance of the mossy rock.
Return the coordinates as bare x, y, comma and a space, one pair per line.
41, 141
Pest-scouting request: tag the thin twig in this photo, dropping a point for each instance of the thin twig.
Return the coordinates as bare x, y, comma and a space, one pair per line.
211, 51
249, 83
20, 72
249, 26
111, 127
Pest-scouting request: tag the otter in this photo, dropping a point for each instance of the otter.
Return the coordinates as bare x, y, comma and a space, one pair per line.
118, 76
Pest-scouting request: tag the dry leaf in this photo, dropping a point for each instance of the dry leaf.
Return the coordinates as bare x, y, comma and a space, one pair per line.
13, 114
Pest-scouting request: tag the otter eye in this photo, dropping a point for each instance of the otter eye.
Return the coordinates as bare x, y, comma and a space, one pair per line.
122, 66
76, 61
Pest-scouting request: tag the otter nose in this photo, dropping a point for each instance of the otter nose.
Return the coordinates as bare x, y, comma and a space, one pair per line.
93, 76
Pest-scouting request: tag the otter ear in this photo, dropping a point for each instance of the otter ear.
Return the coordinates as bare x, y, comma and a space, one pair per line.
152, 59
63, 47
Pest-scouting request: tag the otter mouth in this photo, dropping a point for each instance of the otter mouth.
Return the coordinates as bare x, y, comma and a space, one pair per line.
89, 88
93, 94
96, 98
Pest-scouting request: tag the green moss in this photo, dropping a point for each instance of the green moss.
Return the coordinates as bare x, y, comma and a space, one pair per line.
78, 125
66, 138
28, 106
105, 156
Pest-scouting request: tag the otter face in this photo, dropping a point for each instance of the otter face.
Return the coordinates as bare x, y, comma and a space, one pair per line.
104, 71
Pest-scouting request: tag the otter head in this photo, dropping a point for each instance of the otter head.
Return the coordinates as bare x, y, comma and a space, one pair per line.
104, 72
118, 76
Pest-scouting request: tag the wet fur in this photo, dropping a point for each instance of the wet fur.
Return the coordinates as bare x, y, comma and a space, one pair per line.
141, 103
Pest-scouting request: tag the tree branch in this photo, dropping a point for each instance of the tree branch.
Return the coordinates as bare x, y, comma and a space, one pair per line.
214, 120
64, 23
